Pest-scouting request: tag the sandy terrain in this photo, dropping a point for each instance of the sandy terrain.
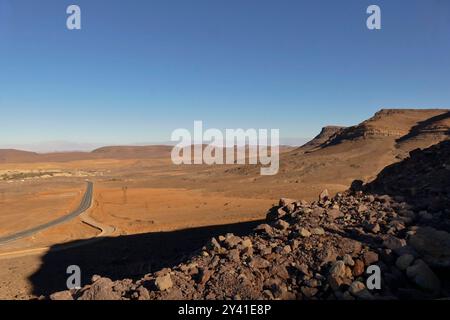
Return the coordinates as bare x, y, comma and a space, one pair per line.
25, 206
139, 210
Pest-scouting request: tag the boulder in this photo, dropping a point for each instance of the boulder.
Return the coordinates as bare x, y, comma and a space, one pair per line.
318, 231
163, 282
394, 243
339, 274
370, 258
309, 292
264, 228
358, 268
142, 293
213, 245
101, 289
275, 213
62, 295
334, 213
356, 185
303, 232
231, 241
359, 290
286, 201
203, 276
281, 225
324, 195
423, 277
348, 260
247, 243
404, 261
259, 263
433, 245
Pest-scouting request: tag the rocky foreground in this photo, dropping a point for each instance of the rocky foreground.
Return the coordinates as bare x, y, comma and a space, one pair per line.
322, 250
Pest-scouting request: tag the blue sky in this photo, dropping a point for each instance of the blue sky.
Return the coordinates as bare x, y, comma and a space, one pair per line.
140, 69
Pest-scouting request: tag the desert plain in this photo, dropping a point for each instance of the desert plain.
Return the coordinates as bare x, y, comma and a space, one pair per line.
162, 210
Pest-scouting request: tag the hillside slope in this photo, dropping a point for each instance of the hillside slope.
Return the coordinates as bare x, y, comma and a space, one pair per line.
326, 134
12, 155
115, 152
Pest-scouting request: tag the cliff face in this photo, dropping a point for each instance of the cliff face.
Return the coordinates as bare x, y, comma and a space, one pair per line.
408, 128
326, 134
393, 123
427, 132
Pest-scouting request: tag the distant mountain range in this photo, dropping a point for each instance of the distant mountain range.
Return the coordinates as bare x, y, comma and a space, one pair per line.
68, 146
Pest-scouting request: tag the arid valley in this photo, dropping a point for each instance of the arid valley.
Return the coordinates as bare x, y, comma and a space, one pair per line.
148, 214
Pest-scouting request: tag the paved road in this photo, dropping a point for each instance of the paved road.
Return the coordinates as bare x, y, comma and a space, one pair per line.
85, 204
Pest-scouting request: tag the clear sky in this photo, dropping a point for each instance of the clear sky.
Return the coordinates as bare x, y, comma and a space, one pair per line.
139, 69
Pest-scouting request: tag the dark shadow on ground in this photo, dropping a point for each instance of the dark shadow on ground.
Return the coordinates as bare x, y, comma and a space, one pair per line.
129, 256
422, 180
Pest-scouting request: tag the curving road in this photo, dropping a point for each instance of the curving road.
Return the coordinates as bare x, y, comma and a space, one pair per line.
85, 204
